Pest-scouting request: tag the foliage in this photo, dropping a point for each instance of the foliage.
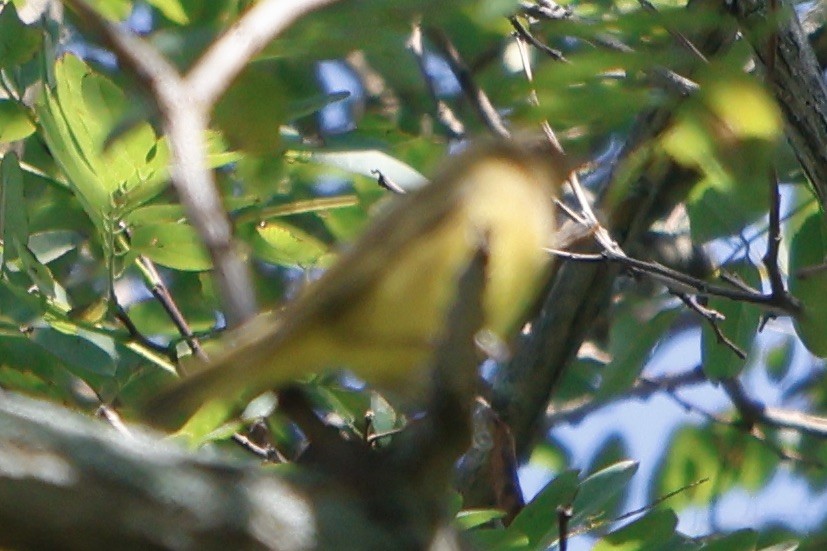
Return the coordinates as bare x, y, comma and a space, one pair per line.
92, 231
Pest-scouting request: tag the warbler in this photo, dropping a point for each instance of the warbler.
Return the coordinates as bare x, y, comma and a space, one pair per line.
382, 305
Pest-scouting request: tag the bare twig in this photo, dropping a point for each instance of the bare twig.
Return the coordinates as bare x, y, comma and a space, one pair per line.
387, 183
111, 416
754, 413
679, 281
268, 454
525, 34
444, 114
645, 387
713, 317
478, 98
680, 38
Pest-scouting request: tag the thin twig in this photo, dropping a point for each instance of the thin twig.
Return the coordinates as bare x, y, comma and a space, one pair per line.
444, 114
679, 37
526, 35
678, 281
577, 410
754, 413
774, 238
111, 416
268, 454
713, 317
387, 183
783, 454
661, 499
136, 335
478, 98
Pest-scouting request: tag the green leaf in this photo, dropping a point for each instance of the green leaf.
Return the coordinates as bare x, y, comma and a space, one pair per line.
384, 417
42, 277
307, 106
281, 243
634, 334
740, 327
15, 123
18, 42
538, 519
649, 533
48, 246
596, 491
82, 351
172, 10
251, 111
779, 359
116, 10
808, 282
173, 245
692, 457
742, 540
15, 223
499, 540
471, 518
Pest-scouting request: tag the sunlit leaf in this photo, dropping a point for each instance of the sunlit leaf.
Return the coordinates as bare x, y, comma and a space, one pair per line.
174, 245
15, 123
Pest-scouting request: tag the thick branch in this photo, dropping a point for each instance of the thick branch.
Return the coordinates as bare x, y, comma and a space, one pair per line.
796, 80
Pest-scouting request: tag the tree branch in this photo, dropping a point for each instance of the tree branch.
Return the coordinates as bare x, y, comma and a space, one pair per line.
795, 79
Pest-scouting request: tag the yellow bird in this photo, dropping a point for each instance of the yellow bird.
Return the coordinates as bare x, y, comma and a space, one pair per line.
380, 308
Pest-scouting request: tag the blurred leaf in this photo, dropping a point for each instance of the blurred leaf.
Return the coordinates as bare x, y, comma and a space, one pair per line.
808, 282
284, 244
307, 106
50, 245
116, 10
15, 223
82, 351
597, 490
742, 540
611, 450
634, 334
651, 532
251, 111
42, 277
538, 519
18, 42
173, 245
740, 327
779, 359
471, 518
499, 540
384, 417
691, 457
172, 10
15, 123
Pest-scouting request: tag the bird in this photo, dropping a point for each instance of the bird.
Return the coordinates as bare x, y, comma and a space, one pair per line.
380, 308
